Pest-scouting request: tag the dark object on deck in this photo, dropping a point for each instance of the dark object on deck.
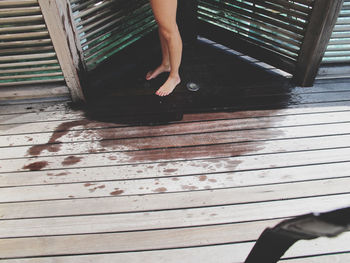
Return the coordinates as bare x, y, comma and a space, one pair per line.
274, 242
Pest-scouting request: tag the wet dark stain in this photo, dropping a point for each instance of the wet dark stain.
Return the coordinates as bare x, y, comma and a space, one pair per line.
38, 149
70, 160
37, 166
96, 187
59, 132
117, 191
170, 170
202, 178
189, 187
160, 190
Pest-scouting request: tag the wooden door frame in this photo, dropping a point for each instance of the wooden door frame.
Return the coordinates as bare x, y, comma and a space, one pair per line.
60, 23
319, 30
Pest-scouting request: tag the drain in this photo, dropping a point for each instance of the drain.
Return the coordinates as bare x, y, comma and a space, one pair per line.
191, 86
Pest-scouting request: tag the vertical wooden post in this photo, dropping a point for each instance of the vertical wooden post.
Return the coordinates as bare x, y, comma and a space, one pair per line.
318, 33
59, 21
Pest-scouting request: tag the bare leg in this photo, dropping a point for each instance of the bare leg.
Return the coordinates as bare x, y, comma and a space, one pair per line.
165, 65
165, 15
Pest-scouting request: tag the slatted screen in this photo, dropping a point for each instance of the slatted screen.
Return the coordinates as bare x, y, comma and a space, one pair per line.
338, 50
27, 55
107, 26
276, 25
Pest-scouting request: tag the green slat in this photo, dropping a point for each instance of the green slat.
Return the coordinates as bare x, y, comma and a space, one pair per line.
26, 52
107, 27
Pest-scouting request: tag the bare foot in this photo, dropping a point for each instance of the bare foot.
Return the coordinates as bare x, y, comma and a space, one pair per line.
168, 86
154, 73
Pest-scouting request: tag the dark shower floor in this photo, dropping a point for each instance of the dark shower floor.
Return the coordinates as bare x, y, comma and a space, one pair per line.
118, 89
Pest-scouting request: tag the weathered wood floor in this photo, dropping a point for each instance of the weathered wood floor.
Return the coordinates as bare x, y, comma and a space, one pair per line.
197, 190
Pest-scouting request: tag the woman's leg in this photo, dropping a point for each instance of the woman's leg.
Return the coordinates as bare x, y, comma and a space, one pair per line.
165, 65
165, 15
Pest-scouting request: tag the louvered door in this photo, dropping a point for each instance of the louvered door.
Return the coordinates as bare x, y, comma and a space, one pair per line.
27, 55
284, 33
338, 49
107, 26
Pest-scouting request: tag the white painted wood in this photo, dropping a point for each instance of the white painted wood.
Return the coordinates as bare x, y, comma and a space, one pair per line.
58, 18
337, 258
161, 185
223, 253
37, 91
233, 178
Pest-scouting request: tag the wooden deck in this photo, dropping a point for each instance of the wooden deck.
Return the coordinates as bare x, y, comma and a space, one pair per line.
200, 189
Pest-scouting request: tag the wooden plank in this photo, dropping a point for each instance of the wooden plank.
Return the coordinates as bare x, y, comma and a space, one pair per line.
21, 19
57, 245
198, 183
318, 33
57, 113
318, 88
58, 107
336, 258
155, 239
58, 19
30, 82
12, 3
278, 140
7, 71
29, 10
30, 63
166, 161
221, 176
229, 253
84, 130
22, 43
27, 56
14, 36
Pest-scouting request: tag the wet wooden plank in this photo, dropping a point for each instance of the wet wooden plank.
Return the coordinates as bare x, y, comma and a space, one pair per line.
266, 140
176, 159
146, 186
58, 124
117, 204
291, 99
83, 134
235, 178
